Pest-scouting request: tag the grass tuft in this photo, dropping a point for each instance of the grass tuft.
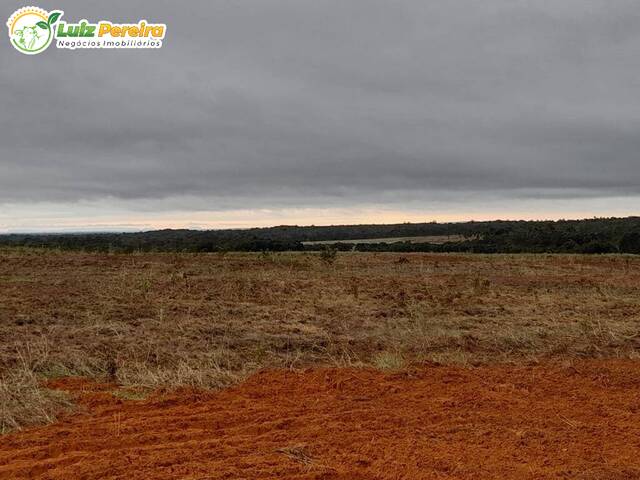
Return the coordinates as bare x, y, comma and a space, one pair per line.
389, 361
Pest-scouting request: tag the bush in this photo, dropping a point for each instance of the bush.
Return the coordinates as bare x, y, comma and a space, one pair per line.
329, 255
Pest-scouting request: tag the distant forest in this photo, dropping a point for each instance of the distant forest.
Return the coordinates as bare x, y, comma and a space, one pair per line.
597, 235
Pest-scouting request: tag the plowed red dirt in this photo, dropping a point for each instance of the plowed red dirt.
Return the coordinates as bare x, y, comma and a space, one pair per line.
553, 421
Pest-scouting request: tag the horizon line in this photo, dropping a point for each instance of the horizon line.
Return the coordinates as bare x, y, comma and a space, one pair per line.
81, 231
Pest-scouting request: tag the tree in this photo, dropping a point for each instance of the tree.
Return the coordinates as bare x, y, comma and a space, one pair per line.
630, 242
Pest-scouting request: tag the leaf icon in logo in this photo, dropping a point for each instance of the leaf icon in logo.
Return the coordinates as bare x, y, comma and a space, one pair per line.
43, 25
53, 17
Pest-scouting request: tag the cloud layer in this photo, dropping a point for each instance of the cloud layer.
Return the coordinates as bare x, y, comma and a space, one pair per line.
314, 103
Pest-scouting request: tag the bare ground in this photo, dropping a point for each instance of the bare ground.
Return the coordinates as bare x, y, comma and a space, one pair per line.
577, 420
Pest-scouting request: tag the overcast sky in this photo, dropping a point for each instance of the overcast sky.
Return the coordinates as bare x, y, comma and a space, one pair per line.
263, 112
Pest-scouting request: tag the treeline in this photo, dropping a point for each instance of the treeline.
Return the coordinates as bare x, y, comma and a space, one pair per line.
597, 235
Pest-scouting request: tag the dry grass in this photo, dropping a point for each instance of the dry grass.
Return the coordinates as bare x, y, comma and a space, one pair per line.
207, 320
23, 399
297, 453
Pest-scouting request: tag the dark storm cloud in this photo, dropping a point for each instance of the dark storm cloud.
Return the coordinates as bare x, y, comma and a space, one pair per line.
271, 102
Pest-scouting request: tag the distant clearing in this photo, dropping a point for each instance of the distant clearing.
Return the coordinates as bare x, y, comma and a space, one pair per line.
434, 239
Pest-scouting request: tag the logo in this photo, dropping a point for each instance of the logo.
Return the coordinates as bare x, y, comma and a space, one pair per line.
32, 30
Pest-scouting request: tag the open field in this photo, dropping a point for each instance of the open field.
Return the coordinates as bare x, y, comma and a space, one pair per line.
434, 239
439, 333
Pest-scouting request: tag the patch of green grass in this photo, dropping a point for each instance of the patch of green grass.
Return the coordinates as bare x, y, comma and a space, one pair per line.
389, 361
57, 371
131, 395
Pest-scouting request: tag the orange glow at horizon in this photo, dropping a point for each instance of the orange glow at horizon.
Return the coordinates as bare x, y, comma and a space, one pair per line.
65, 221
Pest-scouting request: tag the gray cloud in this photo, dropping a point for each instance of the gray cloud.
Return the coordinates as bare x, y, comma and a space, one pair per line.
268, 103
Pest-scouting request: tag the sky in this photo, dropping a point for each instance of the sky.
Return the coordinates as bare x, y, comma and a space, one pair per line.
270, 112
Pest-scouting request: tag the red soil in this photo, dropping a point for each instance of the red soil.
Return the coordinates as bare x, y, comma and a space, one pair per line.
580, 422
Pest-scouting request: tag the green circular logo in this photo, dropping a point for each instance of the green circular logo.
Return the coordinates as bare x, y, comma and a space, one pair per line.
31, 29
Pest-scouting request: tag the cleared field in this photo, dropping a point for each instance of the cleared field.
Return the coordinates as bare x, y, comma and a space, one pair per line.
209, 320
573, 421
435, 239
483, 334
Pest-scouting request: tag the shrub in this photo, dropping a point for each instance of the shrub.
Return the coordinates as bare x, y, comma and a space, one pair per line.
328, 255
